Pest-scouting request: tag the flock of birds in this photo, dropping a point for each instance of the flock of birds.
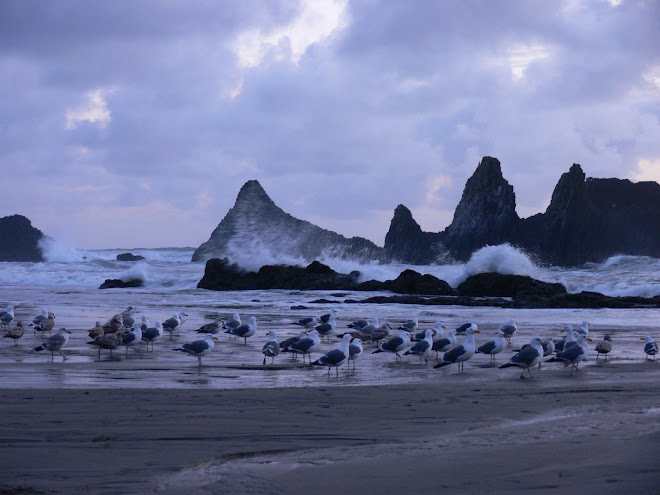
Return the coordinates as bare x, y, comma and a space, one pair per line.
124, 330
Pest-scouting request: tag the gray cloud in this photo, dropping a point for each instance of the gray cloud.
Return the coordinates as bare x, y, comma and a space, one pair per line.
396, 107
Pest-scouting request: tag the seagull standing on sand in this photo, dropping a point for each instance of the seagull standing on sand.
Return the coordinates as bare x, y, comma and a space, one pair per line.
584, 328
326, 318
212, 328
233, 323
570, 337
354, 351
6, 317
650, 348
152, 334
114, 324
410, 325
55, 343
15, 333
422, 347
145, 323
46, 325
604, 347
107, 341
395, 345
285, 344
245, 331
325, 329
358, 324
198, 348
463, 328
572, 354
133, 337
445, 344
306, 346
527, 357
173, 324
39, 318
308, 323
271, 349
97, 331
493, 347
336, 357
439, 332
509, 329
461, 353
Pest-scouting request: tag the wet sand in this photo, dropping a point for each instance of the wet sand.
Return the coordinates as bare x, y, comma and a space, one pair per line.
594, 433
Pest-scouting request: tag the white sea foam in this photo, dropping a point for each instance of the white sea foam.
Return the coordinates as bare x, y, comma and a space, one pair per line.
503, 258
59, 252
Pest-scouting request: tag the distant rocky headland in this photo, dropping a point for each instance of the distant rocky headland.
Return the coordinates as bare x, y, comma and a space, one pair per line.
19, 240
588, 220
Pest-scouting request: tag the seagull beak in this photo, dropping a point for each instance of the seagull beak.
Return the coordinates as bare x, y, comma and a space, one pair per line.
642, 338
477, 331
590, 340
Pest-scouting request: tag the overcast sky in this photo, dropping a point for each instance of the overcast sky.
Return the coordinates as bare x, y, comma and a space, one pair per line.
135, 123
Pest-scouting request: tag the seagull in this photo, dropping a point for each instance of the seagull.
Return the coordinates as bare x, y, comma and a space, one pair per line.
461, 330
107, 341
395, 345
212, 328
604, 347
527, 357
461, 353
570, 337
15, 333
245, 331
370, 326
493, 347
325, 329
422, 347
39, 318
285, 344
271, 348
548, 347
145, 323
97, 331
152, 334
354, 351
46, 325
410, 325
439, 332
114, 324
233, 323
308, 323
173, 324
198, 348
650, 348
6, 317
55, 343
572, 354
132, 337
446, 343
326, 318
509, 329
336, 357
358, 324
584, 328
127, 317
306, 345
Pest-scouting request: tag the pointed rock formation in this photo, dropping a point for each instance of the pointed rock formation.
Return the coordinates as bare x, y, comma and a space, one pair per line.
486, 213
407, 242
19, 240
256, 227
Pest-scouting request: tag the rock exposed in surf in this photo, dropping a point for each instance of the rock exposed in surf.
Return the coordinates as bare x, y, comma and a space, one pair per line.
501, 285
19, 240
220, 274
406, 241
115, 283
129, 257
256, 222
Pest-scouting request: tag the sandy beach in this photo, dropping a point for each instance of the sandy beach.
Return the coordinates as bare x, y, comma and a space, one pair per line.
594, 433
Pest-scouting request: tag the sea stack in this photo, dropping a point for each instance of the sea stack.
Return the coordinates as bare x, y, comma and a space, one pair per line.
256, 223
19, 240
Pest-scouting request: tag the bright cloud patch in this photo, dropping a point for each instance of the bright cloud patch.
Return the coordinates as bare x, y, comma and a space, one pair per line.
648, 170
521, 56
94, 110
317, 21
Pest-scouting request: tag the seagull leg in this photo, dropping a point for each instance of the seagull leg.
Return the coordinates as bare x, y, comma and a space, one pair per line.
199, 360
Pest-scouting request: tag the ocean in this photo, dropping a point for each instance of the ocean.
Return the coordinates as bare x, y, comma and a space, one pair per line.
67, 284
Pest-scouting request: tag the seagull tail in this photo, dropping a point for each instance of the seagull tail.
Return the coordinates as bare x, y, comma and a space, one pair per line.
40, 348
178, 349
317, 363
440, 365
377, 351
553, 360
507, 365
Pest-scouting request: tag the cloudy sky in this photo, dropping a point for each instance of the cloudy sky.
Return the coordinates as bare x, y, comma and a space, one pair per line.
134, 123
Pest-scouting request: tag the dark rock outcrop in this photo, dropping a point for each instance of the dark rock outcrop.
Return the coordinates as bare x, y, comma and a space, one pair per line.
255, 220
500, 285
19, 240
588, 220
406, 241
115, 283
220, 274
486, 213
129, 257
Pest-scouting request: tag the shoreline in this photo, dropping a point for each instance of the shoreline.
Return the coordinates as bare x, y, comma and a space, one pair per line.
550, 435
